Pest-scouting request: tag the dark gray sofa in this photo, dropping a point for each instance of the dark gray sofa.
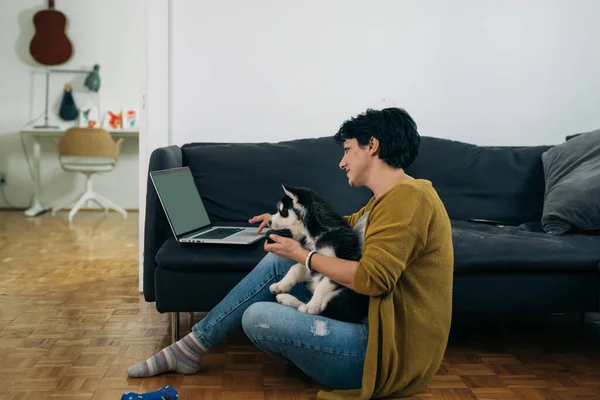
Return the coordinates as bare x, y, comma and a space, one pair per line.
510, 265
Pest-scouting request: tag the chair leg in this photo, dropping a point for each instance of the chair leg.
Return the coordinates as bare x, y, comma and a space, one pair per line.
174, 327
98, 202
90, 196
110, 204
82, 200
63, 202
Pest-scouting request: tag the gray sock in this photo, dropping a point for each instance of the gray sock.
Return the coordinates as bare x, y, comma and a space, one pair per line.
182, 357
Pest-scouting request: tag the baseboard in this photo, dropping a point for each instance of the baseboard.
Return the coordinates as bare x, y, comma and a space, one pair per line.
135, 210
22, 209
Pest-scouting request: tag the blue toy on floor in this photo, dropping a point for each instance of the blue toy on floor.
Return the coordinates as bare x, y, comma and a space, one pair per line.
164, 393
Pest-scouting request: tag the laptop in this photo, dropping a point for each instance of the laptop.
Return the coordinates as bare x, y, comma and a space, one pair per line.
186, 213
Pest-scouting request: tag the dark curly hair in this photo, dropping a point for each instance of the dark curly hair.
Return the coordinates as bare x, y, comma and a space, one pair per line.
394, 128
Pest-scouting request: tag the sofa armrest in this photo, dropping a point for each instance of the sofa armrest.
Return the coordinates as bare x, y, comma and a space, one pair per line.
156, 226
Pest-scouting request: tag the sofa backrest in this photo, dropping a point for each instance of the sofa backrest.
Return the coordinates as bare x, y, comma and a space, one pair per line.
487, 182
240, 180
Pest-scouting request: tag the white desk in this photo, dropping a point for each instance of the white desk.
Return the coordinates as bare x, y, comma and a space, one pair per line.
34, 152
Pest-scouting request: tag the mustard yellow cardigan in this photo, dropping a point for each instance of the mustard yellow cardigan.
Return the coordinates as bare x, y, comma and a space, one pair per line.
407, 269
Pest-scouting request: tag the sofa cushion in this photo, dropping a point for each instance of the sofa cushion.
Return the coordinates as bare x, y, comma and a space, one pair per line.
494, 183
478, 248
209, 257
240, 180
572, 173
481, 248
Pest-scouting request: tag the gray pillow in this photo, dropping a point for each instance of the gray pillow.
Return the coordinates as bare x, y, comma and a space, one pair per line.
572, 191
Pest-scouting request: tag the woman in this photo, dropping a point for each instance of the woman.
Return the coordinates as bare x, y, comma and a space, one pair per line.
406, 269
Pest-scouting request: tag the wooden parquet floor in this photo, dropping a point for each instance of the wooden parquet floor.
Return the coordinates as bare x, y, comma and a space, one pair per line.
72, 321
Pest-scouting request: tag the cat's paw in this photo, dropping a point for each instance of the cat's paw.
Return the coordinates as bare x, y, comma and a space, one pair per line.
289, 300
309, 308
279, 288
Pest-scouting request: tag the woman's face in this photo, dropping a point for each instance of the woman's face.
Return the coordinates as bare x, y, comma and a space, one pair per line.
355, 162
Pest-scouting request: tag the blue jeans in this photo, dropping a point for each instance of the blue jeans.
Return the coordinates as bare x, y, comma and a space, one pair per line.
329, 351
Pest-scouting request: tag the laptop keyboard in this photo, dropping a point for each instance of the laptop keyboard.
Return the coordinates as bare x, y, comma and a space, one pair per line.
218, 233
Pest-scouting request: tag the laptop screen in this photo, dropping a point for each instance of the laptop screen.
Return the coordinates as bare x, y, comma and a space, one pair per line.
180, 199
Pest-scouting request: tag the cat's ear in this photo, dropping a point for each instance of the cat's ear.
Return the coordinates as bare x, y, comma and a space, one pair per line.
289, 191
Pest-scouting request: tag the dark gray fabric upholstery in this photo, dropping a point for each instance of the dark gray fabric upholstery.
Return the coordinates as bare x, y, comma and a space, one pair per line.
478, 248
572, 180
156, 226
240, 180
481, 248
495, 183
209, 257
530, 292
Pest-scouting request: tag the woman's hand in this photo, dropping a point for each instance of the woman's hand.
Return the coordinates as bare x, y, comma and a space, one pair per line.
263, 219
286, 247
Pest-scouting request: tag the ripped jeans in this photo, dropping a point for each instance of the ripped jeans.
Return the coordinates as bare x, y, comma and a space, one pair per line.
329, 351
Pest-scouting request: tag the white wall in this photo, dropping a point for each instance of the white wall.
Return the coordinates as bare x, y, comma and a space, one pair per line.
488, 72
111, 33
155, 121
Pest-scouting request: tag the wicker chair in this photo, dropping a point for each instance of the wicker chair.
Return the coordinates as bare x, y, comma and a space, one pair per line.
88, 151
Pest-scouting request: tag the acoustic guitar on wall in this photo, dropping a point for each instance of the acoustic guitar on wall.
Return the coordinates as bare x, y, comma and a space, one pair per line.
50, 44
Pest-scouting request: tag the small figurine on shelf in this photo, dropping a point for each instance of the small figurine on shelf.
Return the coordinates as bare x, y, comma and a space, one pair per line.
68, 109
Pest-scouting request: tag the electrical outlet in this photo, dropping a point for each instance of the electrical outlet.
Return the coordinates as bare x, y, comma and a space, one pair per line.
2, 178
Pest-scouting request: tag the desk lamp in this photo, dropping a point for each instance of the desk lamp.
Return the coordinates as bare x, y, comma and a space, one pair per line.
92, 82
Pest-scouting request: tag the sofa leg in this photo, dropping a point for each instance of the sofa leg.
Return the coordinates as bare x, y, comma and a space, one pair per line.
174, 327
